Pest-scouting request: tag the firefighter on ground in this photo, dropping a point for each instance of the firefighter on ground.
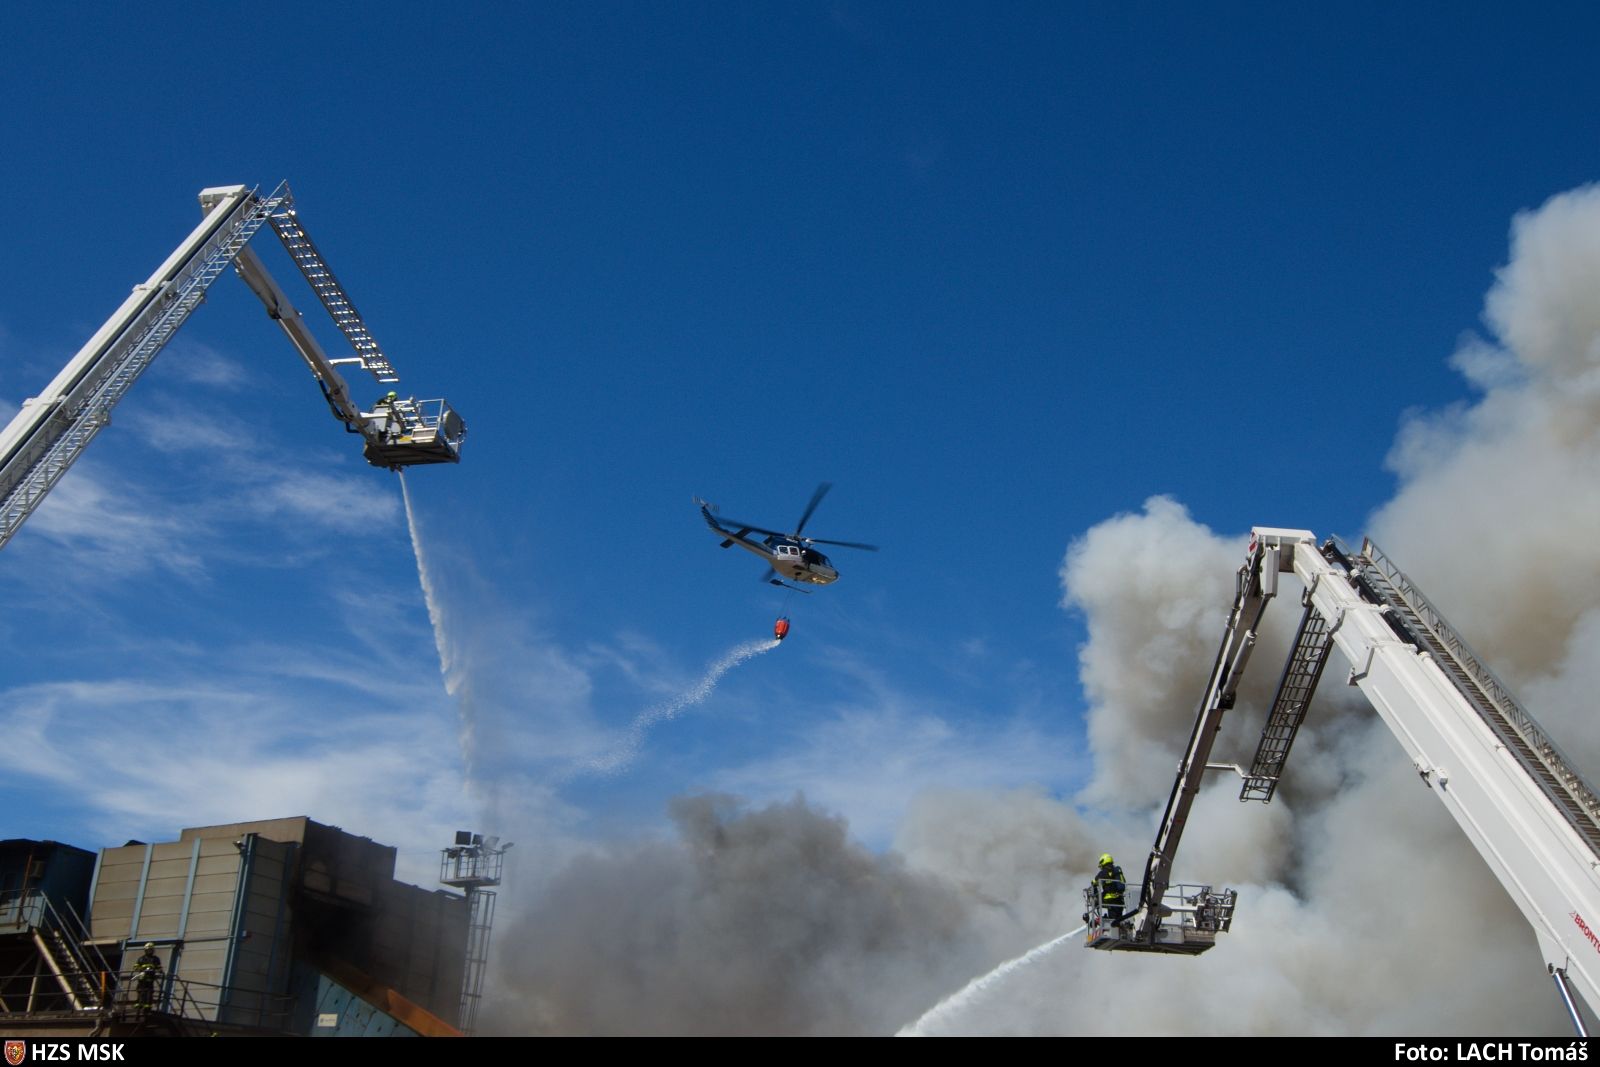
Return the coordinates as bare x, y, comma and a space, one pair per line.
1111, 889
146, 970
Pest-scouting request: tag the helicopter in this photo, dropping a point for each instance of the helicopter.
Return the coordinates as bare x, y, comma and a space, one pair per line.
788, 555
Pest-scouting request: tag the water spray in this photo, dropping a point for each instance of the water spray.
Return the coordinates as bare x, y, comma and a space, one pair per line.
629, 749
454, 681
974, 990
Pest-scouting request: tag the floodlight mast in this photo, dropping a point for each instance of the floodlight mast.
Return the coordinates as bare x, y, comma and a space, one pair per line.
474, 865
51, 430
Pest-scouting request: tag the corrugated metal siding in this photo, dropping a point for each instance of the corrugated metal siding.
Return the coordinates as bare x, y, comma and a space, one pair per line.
166, 885
254, 990
115, 891
216, 882
354, 1016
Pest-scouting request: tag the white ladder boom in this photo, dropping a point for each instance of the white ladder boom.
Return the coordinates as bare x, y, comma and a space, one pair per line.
1525, 809
52, 429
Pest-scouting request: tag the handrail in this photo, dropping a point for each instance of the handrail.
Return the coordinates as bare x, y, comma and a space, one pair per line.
1526, 727
176, 996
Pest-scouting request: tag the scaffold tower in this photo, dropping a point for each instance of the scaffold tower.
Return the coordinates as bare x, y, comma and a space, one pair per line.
473, 865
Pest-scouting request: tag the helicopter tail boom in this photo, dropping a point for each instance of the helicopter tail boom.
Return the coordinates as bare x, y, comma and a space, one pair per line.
711, 521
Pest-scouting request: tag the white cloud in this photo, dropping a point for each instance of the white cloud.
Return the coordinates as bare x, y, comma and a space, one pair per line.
868, 762
149, 757
337, 503
202, 365
97, 523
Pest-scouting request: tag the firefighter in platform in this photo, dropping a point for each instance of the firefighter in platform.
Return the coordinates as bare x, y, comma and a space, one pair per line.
1111, 889
394, 409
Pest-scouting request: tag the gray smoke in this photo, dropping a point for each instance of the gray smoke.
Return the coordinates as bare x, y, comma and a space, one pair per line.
1498, 508
1363, 909
749, 922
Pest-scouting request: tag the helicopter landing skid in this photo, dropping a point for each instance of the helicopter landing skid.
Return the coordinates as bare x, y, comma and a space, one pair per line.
786, 585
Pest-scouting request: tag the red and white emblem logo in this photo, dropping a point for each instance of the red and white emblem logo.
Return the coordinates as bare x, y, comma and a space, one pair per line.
16, 1052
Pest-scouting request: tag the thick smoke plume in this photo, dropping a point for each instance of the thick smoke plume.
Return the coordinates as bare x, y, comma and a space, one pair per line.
1363, 909
1500, 501
750, 922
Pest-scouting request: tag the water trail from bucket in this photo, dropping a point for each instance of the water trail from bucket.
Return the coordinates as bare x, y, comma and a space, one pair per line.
974, 990
453, 681
625, 753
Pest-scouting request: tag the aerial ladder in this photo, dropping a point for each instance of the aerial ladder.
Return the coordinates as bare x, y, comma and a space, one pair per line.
1520, 800
51, 430
1185, 919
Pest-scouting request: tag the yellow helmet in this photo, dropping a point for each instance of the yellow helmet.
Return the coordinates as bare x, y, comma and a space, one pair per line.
1105, 859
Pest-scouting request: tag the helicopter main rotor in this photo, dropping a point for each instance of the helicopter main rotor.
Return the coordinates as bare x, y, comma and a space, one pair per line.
798, 534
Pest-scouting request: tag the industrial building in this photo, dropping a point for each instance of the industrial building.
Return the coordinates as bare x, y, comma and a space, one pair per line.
279, 927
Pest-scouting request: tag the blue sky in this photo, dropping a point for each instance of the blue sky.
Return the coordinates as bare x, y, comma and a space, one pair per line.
997, 274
